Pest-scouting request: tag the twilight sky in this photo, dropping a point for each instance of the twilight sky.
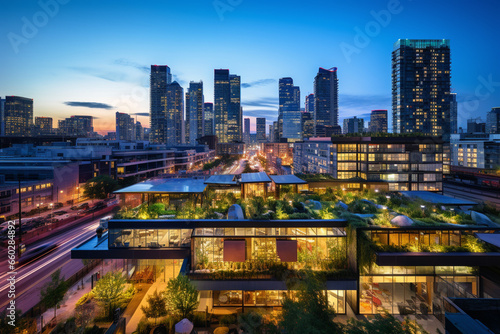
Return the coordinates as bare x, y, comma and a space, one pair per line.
92, 57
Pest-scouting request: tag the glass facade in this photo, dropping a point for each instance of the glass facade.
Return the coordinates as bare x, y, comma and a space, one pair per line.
152, 238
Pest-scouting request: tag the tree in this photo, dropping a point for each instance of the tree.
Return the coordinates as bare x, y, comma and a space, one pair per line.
181, 296
247, 168
156, 307
53, 292
309, 312
21, 324
108, 291
99, 187
383, 324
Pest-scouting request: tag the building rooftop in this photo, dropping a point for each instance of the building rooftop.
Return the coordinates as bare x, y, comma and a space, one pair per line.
436, 198
170, 186
222, 179
286, 179
490, 238
260, 177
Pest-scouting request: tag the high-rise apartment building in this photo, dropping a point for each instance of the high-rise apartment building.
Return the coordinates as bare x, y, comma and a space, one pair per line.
194, 112
208, 110
289, 115
453, 113
77, 126
174, 113
16, 116
234, 119
421, 86
378, 121
354, 125
326, 102
159, 79
125, 127
43, 125
493, 121
307, 124
246, 132
261, 129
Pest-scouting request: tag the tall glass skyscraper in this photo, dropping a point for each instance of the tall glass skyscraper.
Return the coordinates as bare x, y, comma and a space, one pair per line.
289, 115
159, 79
453, 113
234, 119
194, 112
208, 110
174, 112
222, 98
421, 86
326, 101
261, 129
246, 132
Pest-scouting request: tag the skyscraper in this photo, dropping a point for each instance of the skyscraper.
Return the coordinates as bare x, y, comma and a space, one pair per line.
139, 131
421, 84
307, 124
2, 122
125, 127
234, 118
43, 125
246, 132
17, 116
378, 121
222, 98
493, 121
78, 126
159, 79
326, 102
174, 112
194, 112
453, 113
208, 110
354, 125
289, 116
310, 103
261, 130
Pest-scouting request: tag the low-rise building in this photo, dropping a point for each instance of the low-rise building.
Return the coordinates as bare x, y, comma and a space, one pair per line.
475, 150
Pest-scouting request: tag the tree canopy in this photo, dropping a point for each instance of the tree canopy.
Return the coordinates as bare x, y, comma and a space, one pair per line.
156, 306
181, 296
53, 292
109, 291
99, 187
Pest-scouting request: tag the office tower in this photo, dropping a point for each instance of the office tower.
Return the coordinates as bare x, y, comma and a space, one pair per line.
222, 98
235, 111
261, 130
326, 102
354, 125
270, 134
453, 113
421, 84
474, 125
159, 79
289, 116
378, 121
43, 125
77, 126
493, 121
246, 132
310, 103
208, 110
125, 127
17, 116
307, 124
276, 132
174, 113
194, 112
139, 131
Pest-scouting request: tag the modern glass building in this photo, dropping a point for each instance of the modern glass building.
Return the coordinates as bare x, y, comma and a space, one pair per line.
159, 79
195, 123
354, 125
16, 117
421, 87
173, 104
78, 125
208, 110
326, 103
246, 132
125, 127
235, 121
289, 116
378, 121
44, 125
493, 121
261, 129
227, 107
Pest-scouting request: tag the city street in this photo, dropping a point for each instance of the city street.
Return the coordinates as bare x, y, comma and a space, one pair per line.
32, 276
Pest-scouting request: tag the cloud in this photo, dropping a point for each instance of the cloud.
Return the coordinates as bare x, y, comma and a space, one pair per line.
263, 102
92, 105
261, 82
140, 114
129, 63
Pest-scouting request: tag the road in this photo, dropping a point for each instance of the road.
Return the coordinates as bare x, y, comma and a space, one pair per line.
475, 195
32, 276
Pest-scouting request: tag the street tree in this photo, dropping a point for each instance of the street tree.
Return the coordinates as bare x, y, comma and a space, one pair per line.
181, 296
109, 291
53, 292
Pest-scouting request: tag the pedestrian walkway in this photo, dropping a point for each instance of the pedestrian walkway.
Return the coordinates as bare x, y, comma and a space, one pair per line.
137, 315
75, 292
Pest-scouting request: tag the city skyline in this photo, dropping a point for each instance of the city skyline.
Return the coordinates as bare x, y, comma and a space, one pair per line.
85, 71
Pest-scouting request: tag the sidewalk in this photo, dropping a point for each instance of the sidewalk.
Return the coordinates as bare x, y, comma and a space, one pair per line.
67, 308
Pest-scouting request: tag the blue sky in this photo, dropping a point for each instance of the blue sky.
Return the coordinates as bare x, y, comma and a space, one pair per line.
100, 51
